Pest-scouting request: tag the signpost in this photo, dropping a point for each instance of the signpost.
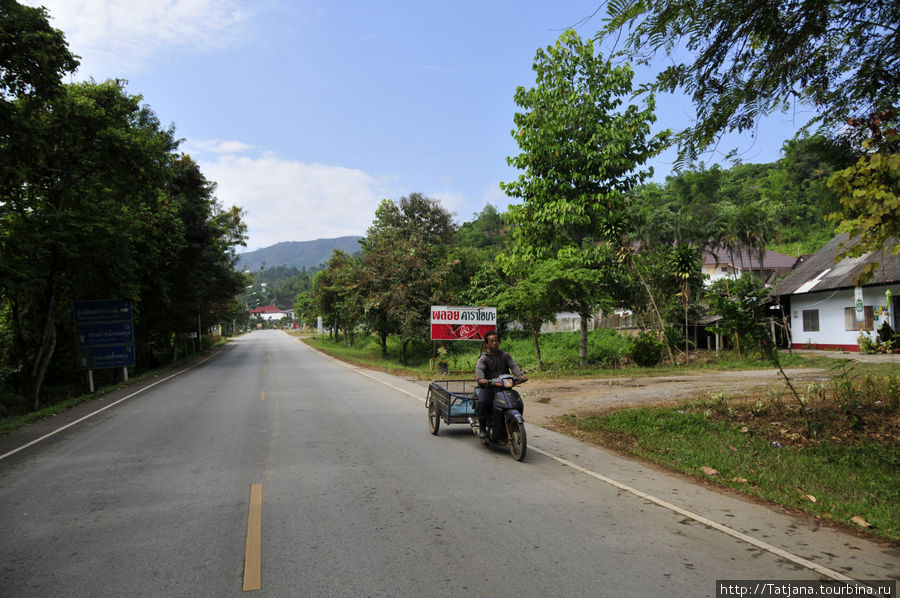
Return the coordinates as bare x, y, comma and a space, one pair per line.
450, 323
104, 335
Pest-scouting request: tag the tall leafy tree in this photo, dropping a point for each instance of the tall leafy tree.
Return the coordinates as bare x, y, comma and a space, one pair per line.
799, 183
103, 208
869, 192
402, 264
741, 61
194, 280
34, 57
94, 189
581, 150
684, 265
338, 293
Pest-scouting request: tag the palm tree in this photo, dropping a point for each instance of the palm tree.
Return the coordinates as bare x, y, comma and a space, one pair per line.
684, 263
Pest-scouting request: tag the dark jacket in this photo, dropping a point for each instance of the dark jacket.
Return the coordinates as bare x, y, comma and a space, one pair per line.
490, 366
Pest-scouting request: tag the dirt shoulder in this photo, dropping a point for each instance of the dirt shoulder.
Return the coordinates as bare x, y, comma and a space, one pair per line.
546, 399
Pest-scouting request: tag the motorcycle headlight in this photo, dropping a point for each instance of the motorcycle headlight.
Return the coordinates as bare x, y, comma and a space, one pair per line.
508, 383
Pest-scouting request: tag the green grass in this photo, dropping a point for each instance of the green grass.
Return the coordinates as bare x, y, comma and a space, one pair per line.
848, 474
559, 351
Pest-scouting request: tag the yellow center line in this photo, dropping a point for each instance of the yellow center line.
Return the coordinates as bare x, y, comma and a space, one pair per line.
262, 395
253, 551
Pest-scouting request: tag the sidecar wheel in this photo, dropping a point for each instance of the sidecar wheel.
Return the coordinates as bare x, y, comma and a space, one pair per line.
434, 418
518, 443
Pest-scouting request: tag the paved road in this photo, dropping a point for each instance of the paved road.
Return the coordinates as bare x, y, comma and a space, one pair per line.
273, 463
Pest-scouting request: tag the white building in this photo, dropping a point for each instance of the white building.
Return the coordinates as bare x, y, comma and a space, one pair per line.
827, 310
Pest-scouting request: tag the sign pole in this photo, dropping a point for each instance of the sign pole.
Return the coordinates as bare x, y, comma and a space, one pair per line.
91, 380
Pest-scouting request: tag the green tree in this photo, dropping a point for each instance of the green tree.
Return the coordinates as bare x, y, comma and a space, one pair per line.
748, 60
327, 299
194, 281
487, 230
869, 193
684, 265
581, 150
798, 184
94, 189
343, 292
34, 57
533, 297
304, 308
742, 61
402, 264
742, 303
103, 208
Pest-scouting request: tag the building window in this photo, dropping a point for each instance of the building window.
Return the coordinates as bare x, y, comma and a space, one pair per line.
850, 322
810, 320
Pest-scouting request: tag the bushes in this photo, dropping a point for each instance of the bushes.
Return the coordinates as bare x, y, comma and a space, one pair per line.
606, 347
647, 349
561, 350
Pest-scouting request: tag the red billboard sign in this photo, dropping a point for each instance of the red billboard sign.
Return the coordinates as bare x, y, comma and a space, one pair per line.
450, 323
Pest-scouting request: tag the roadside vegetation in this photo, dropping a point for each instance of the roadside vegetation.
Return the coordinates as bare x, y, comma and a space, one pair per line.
834, 454
612, 354
97, 202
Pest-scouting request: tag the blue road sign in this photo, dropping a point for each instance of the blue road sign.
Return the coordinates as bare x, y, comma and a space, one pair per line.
96, 358
106, 310
105, 333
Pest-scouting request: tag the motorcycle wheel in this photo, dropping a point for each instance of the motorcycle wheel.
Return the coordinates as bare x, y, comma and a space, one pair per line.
518, 443
434, 418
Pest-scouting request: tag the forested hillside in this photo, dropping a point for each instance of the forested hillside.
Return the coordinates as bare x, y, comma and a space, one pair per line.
296, 254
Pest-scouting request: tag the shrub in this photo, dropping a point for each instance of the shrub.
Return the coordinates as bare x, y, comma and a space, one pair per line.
867, 345
606, 347
647, 349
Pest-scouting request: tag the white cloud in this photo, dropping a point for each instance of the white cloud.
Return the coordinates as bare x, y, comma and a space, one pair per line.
216, 146
452, 201
496, 197
116, 36
286, 200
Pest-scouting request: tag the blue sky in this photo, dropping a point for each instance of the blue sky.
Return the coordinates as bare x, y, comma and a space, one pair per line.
308, 113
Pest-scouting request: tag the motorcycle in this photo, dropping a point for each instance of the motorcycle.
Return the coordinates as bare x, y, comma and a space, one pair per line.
506, 426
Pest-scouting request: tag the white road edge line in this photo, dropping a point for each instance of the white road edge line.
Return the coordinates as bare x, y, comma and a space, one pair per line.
700, 519
92, 414
657, 501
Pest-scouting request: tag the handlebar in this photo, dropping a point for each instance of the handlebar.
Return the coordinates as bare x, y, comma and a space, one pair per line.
505, 381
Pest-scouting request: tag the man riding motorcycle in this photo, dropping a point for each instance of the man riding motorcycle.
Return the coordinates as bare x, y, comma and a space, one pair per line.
492, 364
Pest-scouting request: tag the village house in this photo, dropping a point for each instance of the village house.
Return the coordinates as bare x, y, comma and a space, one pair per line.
824, 306
721, 262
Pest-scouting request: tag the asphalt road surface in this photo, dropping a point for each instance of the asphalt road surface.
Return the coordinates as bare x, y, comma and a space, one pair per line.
271, 470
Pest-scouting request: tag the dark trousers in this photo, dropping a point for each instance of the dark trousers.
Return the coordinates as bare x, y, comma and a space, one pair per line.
485, 402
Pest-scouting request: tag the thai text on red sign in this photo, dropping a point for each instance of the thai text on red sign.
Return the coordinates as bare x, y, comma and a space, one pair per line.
462, 323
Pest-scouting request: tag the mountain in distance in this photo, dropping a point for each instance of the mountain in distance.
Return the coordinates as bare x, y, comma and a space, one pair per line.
297, 254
